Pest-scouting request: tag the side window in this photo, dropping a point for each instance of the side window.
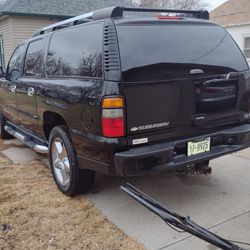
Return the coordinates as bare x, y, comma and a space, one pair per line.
15, 63
34, 59
76, 52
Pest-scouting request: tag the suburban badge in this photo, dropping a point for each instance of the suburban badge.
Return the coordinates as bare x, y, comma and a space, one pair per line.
150, 126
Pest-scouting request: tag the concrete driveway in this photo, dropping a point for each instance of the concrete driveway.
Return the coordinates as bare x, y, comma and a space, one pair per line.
220, 202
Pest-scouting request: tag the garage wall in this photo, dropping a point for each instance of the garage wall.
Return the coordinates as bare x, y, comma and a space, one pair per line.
16, 29
239, 33
24, 27
6, 33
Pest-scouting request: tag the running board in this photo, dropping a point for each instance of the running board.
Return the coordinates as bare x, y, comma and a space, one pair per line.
26, 140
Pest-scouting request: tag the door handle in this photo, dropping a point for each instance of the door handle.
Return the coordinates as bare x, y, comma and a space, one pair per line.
31, 91
12, 88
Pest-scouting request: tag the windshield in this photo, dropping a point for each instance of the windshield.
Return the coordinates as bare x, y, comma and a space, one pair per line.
157, 51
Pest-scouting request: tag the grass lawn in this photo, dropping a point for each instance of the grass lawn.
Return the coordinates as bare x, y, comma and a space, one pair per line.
35, 215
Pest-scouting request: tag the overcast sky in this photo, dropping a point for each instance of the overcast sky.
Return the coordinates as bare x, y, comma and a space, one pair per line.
215, 3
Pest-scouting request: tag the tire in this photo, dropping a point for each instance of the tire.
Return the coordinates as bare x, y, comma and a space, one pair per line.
63, 162
3, 133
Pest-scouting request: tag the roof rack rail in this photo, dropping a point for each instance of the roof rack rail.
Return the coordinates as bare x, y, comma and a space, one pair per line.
115, 12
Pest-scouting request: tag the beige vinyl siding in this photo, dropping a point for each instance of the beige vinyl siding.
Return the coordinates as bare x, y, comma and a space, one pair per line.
5, 31
16, 29
24, 27
19, 29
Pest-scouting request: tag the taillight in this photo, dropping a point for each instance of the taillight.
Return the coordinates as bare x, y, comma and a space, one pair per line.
113, 123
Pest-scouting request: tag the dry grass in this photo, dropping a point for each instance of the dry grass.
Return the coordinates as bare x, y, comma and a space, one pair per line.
35, 215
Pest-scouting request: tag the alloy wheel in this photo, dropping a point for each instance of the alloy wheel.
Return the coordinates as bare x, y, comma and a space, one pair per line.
60, 163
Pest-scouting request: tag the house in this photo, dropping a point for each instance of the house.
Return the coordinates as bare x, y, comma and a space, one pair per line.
234, 15
19, 19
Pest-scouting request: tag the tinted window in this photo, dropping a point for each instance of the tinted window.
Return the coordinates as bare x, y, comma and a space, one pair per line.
76, 52
15, 64
34, 59
171, 50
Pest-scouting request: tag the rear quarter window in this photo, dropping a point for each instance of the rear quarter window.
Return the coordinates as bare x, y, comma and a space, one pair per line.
76, 52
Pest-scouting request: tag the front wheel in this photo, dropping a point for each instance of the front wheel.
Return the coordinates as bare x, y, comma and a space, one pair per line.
69, 178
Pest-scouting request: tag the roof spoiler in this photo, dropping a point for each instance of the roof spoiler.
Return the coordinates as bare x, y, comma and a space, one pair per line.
116, 12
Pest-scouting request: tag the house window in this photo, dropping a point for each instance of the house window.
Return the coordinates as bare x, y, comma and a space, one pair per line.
247, 47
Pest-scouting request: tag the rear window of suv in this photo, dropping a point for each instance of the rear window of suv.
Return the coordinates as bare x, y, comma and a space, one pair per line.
160, 51
76, 52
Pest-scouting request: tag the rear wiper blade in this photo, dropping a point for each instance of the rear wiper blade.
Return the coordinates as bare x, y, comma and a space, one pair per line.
178, 221
233, 74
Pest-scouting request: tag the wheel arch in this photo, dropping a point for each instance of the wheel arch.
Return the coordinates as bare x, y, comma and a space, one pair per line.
51, 120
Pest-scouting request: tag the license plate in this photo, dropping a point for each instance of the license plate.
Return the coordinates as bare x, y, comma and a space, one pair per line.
195, 148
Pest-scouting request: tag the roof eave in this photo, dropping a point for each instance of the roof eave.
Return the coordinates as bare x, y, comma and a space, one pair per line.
34, 15
236, 25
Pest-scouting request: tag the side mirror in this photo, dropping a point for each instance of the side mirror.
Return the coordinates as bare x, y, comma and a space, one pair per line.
2, 73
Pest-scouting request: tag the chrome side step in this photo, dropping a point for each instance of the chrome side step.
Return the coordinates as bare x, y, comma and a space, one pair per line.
41, 149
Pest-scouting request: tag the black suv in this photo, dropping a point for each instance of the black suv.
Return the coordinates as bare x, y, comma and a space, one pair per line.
127, 95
